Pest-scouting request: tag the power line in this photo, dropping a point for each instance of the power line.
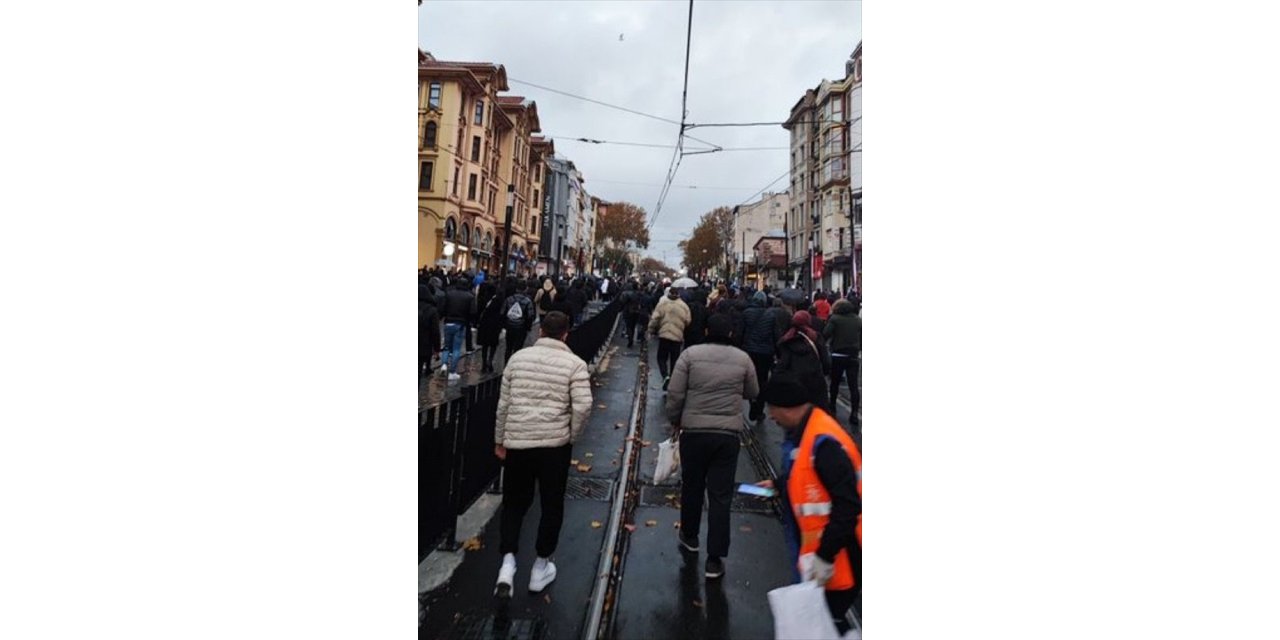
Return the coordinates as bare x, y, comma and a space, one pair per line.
678, 156
771, 124
775, 181
661, 146
611, 106
674, 186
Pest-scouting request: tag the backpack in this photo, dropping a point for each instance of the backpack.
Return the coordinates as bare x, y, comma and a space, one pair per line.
631, 302
515, 313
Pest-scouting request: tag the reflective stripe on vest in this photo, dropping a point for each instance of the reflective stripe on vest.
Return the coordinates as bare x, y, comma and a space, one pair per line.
814, 508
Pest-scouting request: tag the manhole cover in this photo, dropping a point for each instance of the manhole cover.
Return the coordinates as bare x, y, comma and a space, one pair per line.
488, 626
582, 488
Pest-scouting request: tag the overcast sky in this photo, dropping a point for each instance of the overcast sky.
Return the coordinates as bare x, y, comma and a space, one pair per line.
750, 62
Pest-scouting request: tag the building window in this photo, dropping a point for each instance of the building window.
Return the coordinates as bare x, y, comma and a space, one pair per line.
471, 187
475, 149
479, 111
431, 135
433, 99
455, 181
465, 238
533, 225
450, 228
424, 177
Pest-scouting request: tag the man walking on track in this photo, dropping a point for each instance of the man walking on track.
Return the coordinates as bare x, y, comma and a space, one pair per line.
668, 322
823, 489
543, 406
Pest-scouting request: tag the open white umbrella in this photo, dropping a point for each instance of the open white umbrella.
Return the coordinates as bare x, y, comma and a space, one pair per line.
685, 283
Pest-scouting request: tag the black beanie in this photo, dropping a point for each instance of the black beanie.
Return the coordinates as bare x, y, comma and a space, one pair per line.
719, 327
785, 391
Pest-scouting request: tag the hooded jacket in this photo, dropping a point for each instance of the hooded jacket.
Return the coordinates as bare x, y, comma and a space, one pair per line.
802, 353
670, 318
762, 326
844, 329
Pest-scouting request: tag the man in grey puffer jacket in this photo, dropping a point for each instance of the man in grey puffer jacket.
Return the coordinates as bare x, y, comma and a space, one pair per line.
704, 404
544, 404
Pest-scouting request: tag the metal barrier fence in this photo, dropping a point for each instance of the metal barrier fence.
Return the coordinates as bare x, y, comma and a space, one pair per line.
589, 338
455, 443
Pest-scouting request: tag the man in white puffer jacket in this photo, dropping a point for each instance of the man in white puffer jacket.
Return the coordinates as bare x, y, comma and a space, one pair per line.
545, 400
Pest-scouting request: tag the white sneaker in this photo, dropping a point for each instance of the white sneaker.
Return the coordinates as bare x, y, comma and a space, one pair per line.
506, 578
540, 578
453, 377
444, 369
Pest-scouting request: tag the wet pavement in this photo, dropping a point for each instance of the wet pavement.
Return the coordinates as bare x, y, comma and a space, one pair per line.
662, 592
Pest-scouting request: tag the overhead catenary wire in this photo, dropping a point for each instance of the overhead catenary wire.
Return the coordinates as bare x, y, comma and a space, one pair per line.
684, 113
659, 146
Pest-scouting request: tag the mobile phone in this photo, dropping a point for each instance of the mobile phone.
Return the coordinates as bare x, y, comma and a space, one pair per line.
751, 489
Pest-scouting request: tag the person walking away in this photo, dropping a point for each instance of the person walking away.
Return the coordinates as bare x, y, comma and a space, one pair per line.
843, 334
697, 301
631, 302
668, 321
490, 325
704, 406
822, 490
517, 313
428, 328
544, 295
542, 408
816, 323
577, 299
803, 353
761, 335
459, 307
822, 307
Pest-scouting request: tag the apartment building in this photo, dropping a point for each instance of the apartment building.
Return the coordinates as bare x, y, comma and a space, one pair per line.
765, 217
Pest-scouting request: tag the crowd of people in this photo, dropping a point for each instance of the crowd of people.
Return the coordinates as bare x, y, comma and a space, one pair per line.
717, 347
459, 310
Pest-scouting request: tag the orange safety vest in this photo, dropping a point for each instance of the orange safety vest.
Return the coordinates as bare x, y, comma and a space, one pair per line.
809, 499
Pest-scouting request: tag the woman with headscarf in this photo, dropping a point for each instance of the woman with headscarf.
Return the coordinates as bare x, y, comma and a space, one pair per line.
803, 354
490, 324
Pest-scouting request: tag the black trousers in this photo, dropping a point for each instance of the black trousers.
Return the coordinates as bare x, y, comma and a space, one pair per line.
668, 353
839, 602
523, 467
630, 321
840, 367
707, 465
764, 365
470, 345
515, 342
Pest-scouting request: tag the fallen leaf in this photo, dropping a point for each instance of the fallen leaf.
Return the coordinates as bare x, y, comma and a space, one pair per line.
584, 468
617, 425
650, 523
629, 527
602, 406
590, 455
573, 463
745, 528
473, 544
595, 524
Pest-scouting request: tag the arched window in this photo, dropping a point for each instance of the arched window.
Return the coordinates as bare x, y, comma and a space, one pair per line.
465, 238
431, 135
488, 241
450, 228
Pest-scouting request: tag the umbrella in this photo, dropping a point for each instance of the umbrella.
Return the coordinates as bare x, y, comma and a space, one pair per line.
792, 296
685, 283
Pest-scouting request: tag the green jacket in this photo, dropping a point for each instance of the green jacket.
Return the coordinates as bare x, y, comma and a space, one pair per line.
843, 332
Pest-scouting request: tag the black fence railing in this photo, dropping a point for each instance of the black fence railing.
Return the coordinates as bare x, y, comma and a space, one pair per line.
455, 443
588, 338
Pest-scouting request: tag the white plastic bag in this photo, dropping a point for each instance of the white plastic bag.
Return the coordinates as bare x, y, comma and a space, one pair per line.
800, 611
668, 461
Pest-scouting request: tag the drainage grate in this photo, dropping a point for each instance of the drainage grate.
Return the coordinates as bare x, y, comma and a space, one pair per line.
661, 496
583, 488
486, 625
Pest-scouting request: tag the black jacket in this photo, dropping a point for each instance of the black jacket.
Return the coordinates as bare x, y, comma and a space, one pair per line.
696, 331
762, 328
459, 306
797, 357
428, 323
490, 323
526, 306
577, 300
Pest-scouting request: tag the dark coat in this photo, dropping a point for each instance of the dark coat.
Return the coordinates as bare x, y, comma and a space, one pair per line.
796, 357
762, 328
577, 299
695, 332
490, 324
844, 329
428, 324
459, 306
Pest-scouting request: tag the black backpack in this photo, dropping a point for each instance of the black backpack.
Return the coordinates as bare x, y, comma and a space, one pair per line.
514, 312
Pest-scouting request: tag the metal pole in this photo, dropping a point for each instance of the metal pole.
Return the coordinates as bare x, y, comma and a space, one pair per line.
506, 232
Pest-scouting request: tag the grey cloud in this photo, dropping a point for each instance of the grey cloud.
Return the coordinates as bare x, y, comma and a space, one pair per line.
750, 62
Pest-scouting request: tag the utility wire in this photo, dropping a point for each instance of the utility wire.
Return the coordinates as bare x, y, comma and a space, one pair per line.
775, 181
611, 106
769, 124
660, 146
684, 113
674, 186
